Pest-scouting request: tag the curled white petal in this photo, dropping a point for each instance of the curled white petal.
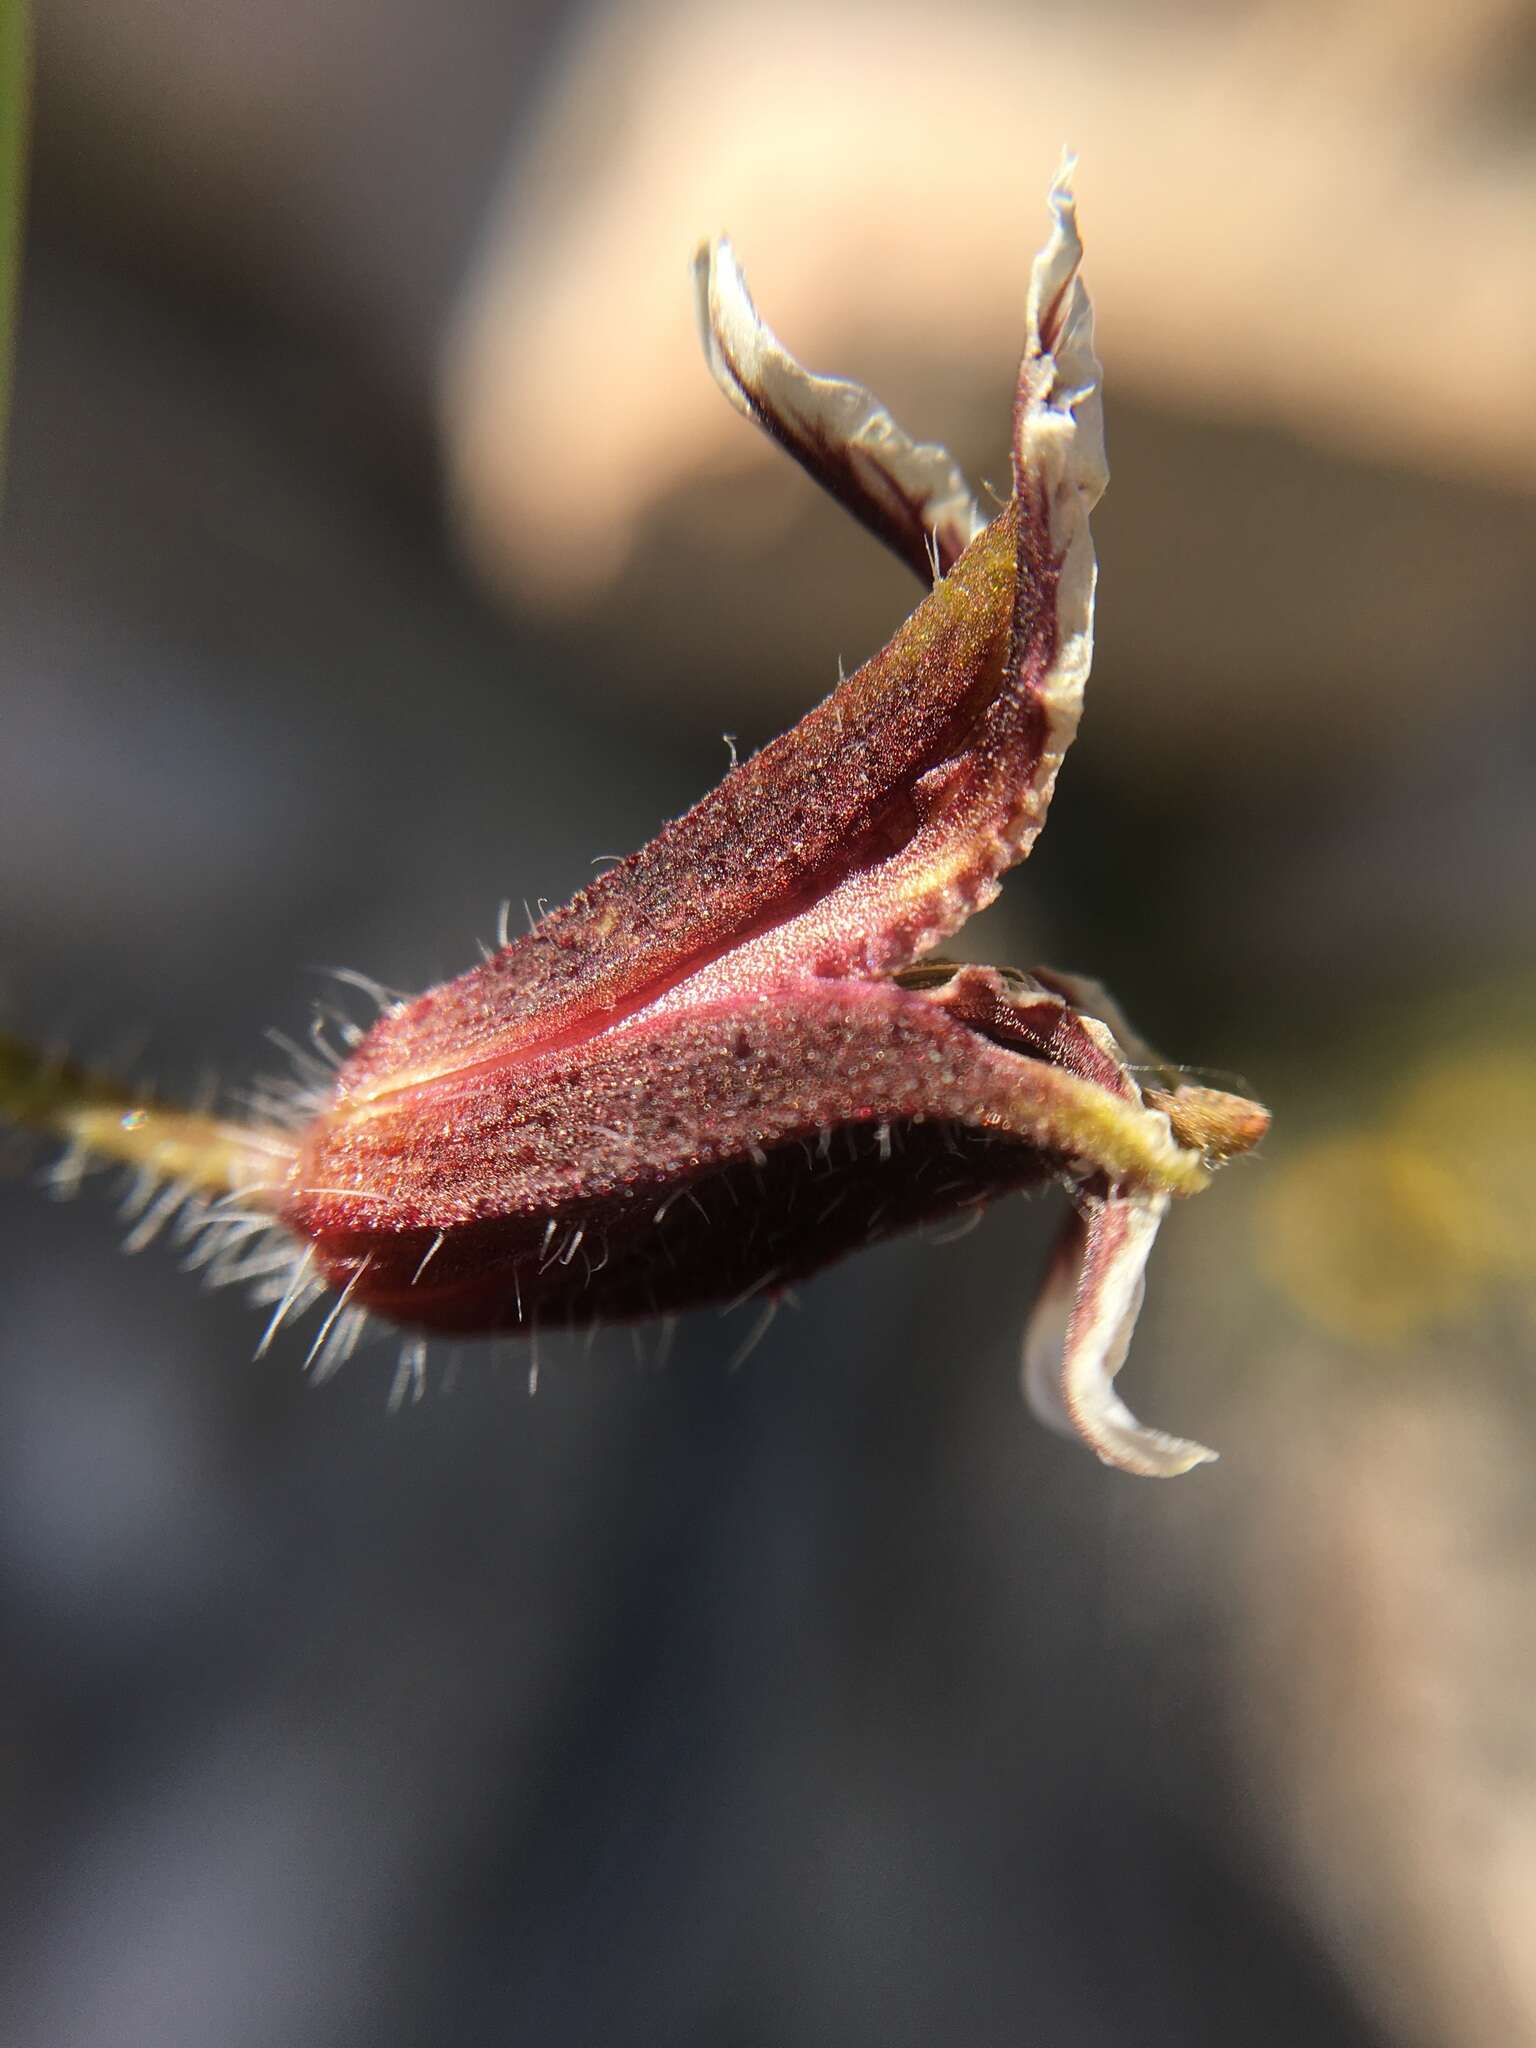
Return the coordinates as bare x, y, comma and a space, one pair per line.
1059, 411
1081, 1330
911, 494
1059, 475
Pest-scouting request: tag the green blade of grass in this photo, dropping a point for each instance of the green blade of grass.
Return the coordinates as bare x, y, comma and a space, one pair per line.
15, 80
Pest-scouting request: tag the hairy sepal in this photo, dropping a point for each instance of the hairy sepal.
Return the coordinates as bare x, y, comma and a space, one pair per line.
598, 1137
874, 828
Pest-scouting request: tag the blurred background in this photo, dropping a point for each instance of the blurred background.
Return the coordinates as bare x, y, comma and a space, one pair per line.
375, 548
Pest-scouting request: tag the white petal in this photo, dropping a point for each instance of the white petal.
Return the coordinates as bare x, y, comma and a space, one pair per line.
1081, 1330
1059, 475
1059, 412
910, 494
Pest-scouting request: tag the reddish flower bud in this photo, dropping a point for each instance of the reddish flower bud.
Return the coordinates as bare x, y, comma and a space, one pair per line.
722, 1065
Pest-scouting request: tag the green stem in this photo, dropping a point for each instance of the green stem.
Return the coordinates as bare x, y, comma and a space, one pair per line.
15, 96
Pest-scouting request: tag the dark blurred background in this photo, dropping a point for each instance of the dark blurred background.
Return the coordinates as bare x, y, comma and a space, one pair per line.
376, 548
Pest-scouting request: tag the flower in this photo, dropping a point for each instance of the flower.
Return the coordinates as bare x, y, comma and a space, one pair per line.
734, 1057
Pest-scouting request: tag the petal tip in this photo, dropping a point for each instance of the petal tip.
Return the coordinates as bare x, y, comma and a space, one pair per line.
1081, 1330
1063, 193
1150, 1454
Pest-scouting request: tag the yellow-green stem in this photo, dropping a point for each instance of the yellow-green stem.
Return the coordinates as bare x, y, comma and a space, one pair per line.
106, 1121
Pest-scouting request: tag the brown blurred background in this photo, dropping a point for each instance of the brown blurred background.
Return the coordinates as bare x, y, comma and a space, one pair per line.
376, 548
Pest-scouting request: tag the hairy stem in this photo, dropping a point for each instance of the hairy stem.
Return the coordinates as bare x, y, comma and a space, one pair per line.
104, 1120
